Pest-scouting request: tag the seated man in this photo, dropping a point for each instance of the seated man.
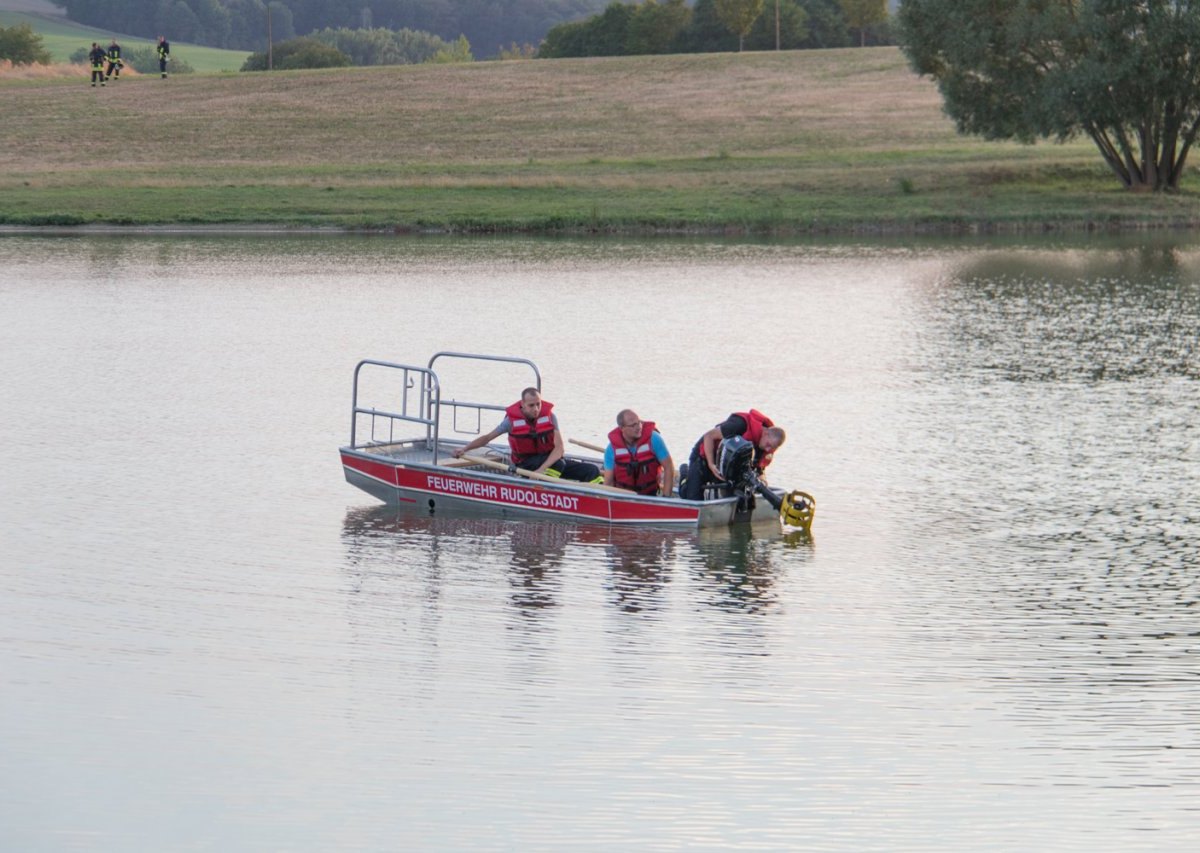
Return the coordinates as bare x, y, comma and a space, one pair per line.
754, 426
534, 439
636, 456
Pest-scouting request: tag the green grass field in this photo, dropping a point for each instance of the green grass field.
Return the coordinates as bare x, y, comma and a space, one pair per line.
62, 38
771, 143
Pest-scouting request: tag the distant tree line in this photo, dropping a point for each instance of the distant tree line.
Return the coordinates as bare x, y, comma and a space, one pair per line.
339, 48
492, 27
242, 24
670, 26
381, 46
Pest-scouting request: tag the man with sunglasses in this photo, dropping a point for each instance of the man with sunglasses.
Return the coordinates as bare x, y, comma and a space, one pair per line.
637, 457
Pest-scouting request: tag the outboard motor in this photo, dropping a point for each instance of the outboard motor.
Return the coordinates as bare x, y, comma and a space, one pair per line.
736, 463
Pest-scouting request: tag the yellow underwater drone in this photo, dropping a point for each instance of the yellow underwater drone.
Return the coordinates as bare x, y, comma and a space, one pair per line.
736, 463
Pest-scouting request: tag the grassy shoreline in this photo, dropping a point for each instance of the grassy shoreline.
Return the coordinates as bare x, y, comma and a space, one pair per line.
807, 142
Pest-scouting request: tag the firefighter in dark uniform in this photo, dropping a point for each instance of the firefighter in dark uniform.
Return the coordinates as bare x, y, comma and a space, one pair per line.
114, 61
164, 53
97, 57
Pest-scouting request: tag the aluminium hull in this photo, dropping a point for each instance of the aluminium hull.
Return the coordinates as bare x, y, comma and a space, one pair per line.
431, 487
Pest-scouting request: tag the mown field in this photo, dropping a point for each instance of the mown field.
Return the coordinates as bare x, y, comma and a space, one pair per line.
843, 140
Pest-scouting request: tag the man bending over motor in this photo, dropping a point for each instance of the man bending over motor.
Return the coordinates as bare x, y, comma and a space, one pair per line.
754, 426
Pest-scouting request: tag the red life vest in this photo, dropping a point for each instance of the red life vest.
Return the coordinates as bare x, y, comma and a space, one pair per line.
756, 422
636, 469
529, 438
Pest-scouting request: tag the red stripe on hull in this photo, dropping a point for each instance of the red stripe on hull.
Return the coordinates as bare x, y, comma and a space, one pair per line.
523, 494
379, 470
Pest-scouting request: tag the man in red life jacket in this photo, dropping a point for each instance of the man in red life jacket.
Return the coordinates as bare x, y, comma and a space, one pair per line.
534, 439
754, 426
636, 455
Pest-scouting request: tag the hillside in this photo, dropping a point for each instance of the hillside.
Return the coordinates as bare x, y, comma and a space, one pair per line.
39, 7
62, 37
771, 142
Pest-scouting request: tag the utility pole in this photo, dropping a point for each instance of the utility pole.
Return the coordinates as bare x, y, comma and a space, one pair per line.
777, 24
269, 35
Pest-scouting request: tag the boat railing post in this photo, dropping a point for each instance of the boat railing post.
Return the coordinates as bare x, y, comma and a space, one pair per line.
354, 405
425, 413
434, 415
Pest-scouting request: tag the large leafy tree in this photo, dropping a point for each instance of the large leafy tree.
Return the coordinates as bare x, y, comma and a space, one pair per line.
22, 46
861, 14
792, 27
303, 52
1126, 73
825, 21
384, 47
739, 16
654, 26
605, 34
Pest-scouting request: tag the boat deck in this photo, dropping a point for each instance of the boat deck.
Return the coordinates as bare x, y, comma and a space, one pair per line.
418, 452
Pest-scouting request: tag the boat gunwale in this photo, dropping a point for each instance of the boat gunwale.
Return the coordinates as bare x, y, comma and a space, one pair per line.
573, 486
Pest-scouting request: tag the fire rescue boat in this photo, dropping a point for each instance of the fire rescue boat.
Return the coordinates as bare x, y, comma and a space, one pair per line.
399, 453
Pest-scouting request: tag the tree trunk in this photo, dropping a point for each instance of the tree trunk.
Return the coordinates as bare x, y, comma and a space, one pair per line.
1159, 168
1149, 164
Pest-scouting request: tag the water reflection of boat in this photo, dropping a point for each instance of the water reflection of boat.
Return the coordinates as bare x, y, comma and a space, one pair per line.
421, 471
737, 566
533, 541
531, 552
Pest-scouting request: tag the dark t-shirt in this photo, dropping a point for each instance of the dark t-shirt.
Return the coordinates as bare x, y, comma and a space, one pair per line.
733, 425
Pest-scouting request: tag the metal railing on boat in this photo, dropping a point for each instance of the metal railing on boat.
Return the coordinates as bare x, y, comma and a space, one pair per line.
426, 409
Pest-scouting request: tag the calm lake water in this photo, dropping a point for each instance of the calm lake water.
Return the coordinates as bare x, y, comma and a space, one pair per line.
209, 641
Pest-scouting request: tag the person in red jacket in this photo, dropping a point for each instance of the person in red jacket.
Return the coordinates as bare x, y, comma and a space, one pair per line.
535, 442
637, 457
752, 425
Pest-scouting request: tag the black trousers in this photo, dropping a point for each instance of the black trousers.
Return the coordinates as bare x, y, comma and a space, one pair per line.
698, 476
570, 469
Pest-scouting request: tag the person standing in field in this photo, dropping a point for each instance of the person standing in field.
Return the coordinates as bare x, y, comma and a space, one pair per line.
114, 61
97, 57
164, 53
